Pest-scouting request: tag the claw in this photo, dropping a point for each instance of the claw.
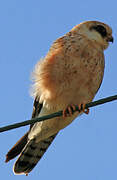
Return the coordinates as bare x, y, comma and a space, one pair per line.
82, 108
69, 110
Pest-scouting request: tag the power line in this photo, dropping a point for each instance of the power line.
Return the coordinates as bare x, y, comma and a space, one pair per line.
56, 114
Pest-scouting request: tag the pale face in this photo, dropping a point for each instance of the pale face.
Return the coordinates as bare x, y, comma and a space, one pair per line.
95, 31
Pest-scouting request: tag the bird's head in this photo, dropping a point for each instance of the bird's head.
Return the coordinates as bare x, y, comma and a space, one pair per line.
96, 31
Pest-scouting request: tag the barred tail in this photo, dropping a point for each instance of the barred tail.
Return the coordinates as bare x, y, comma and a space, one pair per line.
31, 154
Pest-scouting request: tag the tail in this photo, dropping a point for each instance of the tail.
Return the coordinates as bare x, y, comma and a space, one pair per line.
31, 154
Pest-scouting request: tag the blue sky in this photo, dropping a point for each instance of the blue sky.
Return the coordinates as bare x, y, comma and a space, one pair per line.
87, 149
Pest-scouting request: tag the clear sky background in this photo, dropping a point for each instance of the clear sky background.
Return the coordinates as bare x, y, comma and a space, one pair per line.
87, 149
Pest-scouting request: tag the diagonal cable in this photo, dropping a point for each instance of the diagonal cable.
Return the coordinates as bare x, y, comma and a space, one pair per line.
56, 114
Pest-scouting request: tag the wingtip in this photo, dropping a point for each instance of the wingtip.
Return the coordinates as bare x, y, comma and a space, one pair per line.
17, 148
7, 159
9, 156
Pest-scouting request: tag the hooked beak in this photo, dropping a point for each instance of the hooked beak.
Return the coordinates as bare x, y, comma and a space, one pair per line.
110, 39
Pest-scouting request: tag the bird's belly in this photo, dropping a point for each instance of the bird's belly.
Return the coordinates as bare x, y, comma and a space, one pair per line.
76, 93
45, 129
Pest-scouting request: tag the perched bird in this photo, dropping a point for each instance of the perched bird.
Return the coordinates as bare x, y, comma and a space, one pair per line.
70, 74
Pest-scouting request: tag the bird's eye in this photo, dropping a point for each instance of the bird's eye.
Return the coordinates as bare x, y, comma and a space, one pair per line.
101, 29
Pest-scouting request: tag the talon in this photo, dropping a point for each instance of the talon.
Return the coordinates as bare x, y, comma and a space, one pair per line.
83, 109
69, 110
64, 113
73, 107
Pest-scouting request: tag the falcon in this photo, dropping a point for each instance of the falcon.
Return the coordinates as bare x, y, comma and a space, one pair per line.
70, 74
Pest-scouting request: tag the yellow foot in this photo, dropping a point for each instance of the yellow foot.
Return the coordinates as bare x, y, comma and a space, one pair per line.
69, 110
82, 108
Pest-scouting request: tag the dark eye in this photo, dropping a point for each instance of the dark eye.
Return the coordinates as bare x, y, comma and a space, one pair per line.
101, 29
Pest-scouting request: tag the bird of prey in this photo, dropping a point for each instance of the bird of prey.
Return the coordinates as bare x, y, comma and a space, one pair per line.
70, 74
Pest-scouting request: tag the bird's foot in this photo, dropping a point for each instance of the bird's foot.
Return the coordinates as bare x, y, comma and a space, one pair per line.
82, 108
67, 112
